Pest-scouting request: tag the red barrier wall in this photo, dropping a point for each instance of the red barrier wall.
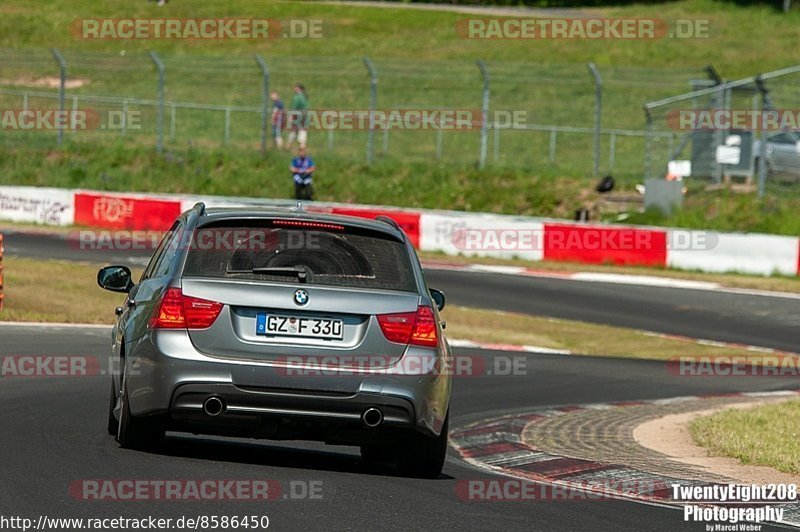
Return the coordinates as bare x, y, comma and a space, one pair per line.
125, 212
599, 244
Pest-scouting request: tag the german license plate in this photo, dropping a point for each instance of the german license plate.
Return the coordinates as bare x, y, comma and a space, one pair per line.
277, 325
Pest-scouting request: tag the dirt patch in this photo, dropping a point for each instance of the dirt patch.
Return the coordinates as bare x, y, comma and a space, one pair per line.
50, 82
669, 435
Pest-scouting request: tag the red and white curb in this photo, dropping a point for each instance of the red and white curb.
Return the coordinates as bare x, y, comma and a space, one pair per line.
496, 445
488, 346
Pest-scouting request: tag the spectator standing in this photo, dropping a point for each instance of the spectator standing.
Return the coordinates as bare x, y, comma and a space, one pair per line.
298, 116
278, 119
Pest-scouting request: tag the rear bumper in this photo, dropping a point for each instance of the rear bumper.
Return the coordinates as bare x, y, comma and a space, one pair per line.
168, 376
284, 414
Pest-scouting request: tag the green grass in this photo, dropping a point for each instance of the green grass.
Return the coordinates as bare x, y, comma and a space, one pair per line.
766, 435
29, 286
425, 35
421, 63
244, 173
407, 184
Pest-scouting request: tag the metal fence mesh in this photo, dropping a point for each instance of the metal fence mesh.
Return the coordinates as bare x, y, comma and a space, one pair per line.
219, 101
722, 129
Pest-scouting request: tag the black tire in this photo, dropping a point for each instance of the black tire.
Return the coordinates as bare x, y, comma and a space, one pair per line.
423, 456
140, 433
113, 424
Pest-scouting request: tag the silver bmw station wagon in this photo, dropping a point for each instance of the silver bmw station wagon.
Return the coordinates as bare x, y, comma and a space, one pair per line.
283, 324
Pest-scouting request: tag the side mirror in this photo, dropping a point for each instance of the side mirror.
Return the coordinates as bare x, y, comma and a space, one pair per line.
438, 298
115, 279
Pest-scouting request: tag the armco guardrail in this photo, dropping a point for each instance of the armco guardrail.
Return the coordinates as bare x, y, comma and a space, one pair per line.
449, 232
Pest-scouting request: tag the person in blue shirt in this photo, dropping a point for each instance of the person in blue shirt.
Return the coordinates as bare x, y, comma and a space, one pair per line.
302, 169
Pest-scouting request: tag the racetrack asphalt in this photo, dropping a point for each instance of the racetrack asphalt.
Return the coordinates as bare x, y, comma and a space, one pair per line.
52, 429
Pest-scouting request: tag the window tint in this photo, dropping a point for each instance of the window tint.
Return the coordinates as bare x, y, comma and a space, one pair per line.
165, 253
343, 257
783, 138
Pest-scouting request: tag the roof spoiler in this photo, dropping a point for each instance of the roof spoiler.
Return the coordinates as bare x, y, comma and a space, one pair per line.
391, 221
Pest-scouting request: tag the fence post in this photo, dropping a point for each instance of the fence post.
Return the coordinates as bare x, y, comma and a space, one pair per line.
373, 101
484, 113
124, 127
598, 114
74, 114
762, 145
227, 125
612, 151
62, 87
160, 106
264, 101
439, 141
648, 134
496, 152
552, 153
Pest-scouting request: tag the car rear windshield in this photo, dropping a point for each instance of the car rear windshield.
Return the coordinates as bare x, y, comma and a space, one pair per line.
319, 253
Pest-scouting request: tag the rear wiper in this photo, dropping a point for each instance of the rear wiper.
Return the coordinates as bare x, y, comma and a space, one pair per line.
295, 271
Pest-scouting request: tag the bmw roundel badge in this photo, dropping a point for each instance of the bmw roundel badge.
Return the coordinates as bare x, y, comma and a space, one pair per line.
301, 297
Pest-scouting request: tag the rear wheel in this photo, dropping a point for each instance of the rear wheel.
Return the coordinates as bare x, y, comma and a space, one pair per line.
423, 456
137, 432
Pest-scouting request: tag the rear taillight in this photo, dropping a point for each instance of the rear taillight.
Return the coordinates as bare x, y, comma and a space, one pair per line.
170, 313
200, 313
415, 328
178, 311
425, 328
397, 327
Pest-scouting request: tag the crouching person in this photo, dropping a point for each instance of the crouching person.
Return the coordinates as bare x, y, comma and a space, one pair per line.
302, 168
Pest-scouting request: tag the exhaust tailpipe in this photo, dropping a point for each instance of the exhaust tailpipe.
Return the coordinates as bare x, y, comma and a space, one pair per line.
213, 406
372, 417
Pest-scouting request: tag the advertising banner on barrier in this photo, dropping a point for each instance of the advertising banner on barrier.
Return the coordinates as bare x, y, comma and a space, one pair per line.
597, 244
48, 206
449, 232
482, 236
114, 211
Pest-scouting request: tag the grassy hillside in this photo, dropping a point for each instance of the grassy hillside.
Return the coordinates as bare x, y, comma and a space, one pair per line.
428, 185
743, 39
422, 62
